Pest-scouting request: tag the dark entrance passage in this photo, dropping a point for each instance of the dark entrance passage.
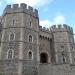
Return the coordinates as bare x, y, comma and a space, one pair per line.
43, 58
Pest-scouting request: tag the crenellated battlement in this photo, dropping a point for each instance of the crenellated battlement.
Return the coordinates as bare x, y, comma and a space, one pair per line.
55, 28
44, 29
60, 27
21, 8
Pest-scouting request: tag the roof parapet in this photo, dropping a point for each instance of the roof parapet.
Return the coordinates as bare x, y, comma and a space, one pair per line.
44, 28
60, 27
21, 8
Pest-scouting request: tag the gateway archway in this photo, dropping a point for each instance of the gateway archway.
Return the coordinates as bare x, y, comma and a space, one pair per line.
43, 58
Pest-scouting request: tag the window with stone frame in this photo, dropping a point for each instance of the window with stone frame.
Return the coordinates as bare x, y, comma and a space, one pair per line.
63, 57
10, 54
74, 57
13, 19
30, 24
30, 55
13, 22
30, 39
11, 36
73, 49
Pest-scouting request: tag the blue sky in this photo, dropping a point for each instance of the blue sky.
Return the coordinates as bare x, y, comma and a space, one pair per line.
50, 11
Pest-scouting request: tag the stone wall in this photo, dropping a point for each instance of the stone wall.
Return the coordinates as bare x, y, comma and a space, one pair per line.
10, 67
55, 69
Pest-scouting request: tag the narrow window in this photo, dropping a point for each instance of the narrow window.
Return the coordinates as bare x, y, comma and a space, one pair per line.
62, 48
10, 54
74, 58
30, 55
13, 19
13, 22
30, 24
63, 58
11, 37
72, 48
30, 39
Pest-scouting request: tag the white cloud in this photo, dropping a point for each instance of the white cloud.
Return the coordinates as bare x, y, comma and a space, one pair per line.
59, 19
31, 2
0, 3
45, 23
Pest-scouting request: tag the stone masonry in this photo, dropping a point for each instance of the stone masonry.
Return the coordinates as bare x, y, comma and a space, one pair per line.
26, 48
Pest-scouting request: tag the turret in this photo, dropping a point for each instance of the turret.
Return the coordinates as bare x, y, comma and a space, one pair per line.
22, 8
20, 38
63, 43
61, 28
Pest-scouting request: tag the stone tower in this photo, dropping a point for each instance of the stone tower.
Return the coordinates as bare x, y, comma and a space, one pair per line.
26, 48
19, 43
63, 43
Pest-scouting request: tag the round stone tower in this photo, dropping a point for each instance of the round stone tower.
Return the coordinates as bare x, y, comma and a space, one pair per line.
63, 43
